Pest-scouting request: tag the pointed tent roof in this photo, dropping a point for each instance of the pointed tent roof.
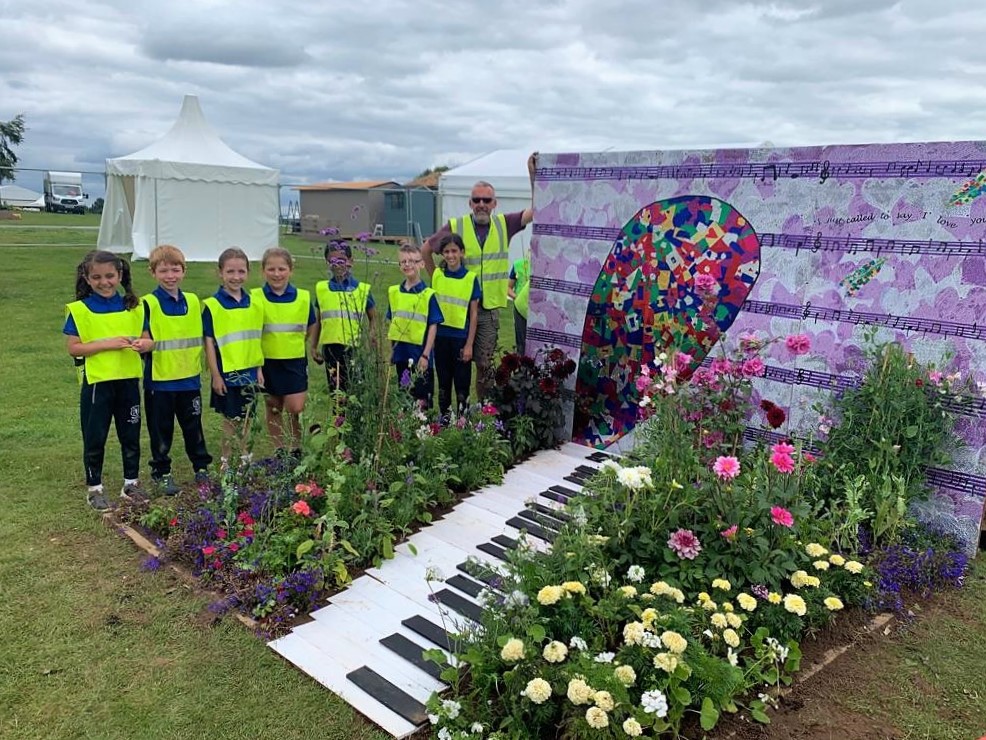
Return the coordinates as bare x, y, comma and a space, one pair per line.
192, 150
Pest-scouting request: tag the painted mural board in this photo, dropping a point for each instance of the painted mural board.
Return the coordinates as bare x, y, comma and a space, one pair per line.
832, 241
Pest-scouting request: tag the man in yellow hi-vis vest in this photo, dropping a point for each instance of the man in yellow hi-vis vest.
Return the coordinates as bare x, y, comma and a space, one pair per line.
487, 238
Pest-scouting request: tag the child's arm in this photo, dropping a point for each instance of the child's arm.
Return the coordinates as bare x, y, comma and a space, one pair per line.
144, 344
311, 337
77, 348
471, 334
218, 384
511, 287
260, 376
429, 346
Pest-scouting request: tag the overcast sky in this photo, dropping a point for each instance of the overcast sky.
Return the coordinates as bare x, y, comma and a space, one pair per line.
385, 88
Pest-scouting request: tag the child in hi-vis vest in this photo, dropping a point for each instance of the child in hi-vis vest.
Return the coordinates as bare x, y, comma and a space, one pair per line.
172, 372
414, 318
233, 325
109, 332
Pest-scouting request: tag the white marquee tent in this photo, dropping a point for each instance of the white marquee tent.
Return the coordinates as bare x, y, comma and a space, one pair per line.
506, 171
191, 190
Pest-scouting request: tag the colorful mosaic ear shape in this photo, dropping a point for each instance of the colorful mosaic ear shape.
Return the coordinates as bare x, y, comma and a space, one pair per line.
675, 279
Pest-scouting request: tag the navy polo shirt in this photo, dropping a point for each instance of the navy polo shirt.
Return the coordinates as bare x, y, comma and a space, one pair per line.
97, 304
477, 295
288, 296
170, 306
240, 377
405, 352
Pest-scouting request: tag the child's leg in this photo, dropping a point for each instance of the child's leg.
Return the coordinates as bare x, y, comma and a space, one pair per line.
294, 404
520, 332
461, 378
444, 362
274, 411
423, 388
188, 409
95, 414
159, 409
126, 414
336, 358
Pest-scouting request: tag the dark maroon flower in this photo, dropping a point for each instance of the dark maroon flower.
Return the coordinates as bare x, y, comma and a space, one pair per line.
510, 362
548, 386
767, 405
776, 417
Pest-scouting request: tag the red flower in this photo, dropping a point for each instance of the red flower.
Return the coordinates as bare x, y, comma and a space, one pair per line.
208, 550
244, 518
548, 386
766, 405
919, 383
217, 563
781, 516
569, 366
248, 532
435, 428
776, 417
173, 522
233, 547
489, 409
726, 404
302, 508
221, 534
556, 355
510, 362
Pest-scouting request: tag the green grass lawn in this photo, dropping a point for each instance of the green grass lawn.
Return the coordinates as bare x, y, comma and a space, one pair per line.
94, 647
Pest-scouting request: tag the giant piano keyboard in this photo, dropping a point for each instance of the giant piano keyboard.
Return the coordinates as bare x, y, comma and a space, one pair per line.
367, 644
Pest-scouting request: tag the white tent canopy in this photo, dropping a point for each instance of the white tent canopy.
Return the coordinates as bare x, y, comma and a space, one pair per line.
191, 190
506, 171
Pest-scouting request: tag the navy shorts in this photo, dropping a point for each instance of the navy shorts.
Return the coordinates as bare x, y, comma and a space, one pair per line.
286, 377
239, 401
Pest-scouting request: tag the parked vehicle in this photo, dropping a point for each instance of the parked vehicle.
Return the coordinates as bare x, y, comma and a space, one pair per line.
63, 192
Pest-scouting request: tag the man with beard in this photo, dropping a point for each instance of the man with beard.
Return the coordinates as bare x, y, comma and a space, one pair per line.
487, 238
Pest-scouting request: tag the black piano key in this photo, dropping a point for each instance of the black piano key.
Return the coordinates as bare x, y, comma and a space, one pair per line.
459, 604
554, 496
490, 549
465, 585
412, 652
565, 491
508, 542
531, 528
557, 514
540, 520
490, 577
389, 695
431, 632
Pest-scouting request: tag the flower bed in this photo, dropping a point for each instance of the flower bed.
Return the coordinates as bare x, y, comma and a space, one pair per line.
276, 536
691, 570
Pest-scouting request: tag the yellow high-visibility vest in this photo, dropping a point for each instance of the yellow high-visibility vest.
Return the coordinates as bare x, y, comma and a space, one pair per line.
341, 313
113, 364
454, 296
408, 315
237, 332
490, 260
177, 340
522, 273
285, 325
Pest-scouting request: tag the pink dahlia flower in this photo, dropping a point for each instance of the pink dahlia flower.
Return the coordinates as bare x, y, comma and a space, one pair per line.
726, 468
685, 544
781, 516
798, 344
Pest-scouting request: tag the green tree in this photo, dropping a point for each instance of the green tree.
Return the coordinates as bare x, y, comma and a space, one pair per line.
11, 134
432, 170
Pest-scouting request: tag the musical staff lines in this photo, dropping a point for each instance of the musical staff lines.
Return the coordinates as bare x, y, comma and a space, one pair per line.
808, 242
821, 170
568, 287
854, 244
575, 231
554, 337
940, 327
954, 480
957, 403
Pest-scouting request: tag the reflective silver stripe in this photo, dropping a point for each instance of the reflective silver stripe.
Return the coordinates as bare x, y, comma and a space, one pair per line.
163, 345
238, 336
473, 261
410, 315
488, 276
464, 302
283, 328
328, 314
500, 225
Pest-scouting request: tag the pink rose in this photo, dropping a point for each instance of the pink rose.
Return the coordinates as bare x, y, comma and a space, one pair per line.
752, 368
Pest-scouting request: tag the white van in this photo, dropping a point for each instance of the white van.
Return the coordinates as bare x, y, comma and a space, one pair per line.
63, 192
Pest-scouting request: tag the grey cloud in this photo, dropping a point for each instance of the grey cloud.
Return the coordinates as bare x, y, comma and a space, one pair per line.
219, 43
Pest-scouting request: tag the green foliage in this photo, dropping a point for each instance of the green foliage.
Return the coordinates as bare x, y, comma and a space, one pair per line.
890, 429
11, 134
